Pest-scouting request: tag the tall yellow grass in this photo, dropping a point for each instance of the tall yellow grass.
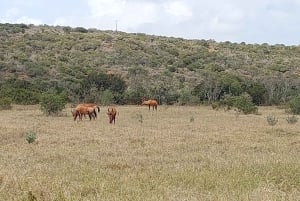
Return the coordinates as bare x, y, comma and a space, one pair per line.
174, 153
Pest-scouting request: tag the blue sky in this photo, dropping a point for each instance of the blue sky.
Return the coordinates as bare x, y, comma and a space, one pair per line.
253, 21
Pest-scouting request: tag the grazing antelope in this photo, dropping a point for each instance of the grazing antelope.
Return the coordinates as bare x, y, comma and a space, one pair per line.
112, 112
150, 103
85, 109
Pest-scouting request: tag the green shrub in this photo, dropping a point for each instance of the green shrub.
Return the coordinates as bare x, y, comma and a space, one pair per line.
243, 103
30, 136
20, 95
294, 105
52, 104
5, 103
25, 96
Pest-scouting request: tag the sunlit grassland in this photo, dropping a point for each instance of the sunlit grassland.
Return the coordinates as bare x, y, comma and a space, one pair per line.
174, 153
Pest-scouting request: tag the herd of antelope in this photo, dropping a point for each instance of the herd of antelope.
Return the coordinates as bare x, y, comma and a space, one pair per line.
92, 109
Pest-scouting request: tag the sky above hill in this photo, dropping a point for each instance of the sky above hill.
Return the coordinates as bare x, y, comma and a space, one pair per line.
249, 21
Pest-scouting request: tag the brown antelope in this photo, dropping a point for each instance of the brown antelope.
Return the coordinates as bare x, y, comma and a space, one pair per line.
150, 103
112, 112
85, 109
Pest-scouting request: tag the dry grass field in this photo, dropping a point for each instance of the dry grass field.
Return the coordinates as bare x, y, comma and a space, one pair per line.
175, 153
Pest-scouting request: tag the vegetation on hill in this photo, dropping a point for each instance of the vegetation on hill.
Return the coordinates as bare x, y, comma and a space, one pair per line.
94, 65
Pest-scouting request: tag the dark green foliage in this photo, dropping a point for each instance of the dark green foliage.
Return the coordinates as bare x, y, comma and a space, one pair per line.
25, 96
80, 30
96, 84
243, 103
103, 81
21, 96
5, 103
134, 96
215, 85
52, 104
257, 91
231, 84
20, 92
294, 105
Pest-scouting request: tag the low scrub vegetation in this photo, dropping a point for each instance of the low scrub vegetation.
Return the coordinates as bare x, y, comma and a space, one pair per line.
292, 119
122, 68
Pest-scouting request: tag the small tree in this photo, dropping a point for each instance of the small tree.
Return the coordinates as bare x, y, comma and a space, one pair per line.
52, 104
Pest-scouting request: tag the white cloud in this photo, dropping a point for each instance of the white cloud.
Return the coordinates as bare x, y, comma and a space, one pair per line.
106, 7
178, 9
104, 13
13, 15
62, 21
228, 19
28, 20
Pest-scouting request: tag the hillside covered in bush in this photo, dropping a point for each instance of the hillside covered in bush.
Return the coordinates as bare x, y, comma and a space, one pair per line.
117, 67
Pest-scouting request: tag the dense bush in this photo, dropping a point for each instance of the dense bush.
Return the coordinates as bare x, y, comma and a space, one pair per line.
186, 97
25, 97
20, 92
257, 91
5, 103
294, 105
21, 96
243, 103
134, 96
52, 104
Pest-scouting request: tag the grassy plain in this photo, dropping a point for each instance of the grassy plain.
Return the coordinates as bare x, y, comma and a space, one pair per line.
175, 153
